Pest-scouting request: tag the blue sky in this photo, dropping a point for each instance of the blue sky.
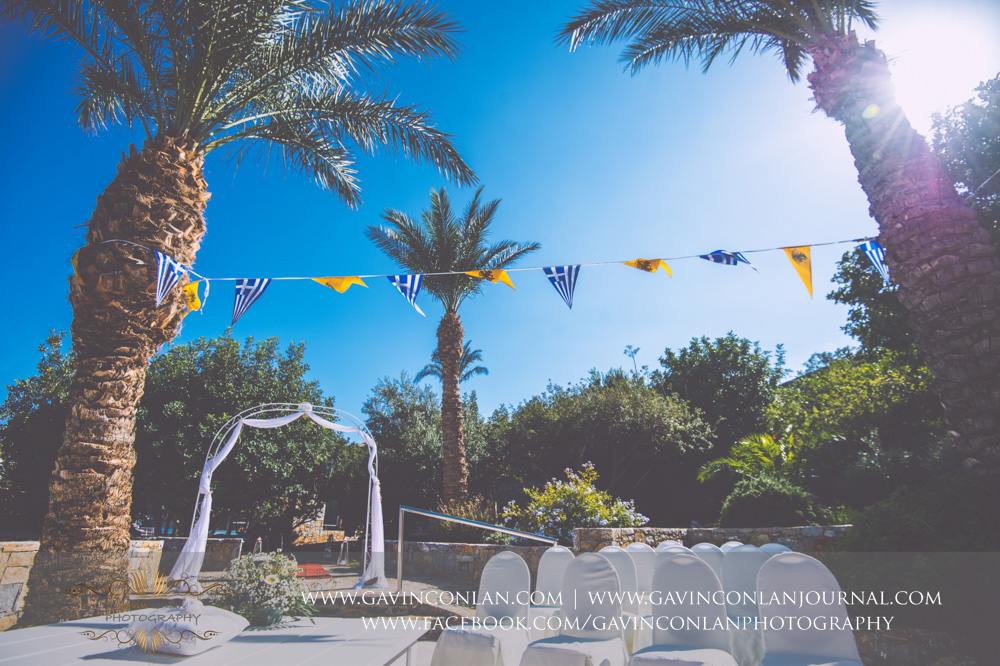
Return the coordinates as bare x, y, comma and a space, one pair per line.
594, 164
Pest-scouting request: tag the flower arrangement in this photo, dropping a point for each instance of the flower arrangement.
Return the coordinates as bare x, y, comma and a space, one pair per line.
557, 508
263, 588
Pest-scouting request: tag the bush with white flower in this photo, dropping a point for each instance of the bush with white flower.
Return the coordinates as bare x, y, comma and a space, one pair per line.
562, 505
263, 587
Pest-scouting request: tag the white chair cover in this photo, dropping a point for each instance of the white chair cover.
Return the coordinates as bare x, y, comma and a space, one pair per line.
666, 553
739, 577
667, 544
795, 572
684, 577
548, 591
711, 554
504, 587
729, 545
621, 560
644, 558
774, 548
591, 632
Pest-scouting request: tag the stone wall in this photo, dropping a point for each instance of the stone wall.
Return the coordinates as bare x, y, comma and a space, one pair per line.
452, 561
151, 555
809, 540
311, 532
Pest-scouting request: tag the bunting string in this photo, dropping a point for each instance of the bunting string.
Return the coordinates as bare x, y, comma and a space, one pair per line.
563, 278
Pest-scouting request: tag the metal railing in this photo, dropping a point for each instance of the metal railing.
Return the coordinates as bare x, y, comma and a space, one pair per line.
462, 521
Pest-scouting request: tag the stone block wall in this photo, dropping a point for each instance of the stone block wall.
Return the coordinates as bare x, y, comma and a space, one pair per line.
16, 558
311, 532
218, 553
809, 540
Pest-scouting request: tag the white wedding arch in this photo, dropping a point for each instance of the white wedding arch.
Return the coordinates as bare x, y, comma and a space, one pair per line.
275, 415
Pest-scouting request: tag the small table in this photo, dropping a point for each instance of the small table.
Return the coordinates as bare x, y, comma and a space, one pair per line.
328, 641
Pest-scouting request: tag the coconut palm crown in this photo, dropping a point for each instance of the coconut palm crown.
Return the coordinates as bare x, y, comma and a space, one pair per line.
466, 368
444, 243
945, 269
250, 76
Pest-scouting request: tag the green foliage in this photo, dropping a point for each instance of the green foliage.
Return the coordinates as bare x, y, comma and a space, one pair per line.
766, 501
757, 455
967, 139
274, 477
647, 444
32, 418
953, 512
560, 506
472, 508
254, 75
262, 583
466, 369
875, 317
731, 380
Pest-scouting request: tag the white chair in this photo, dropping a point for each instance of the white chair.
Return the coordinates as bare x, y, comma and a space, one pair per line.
667, 544
773, 549
628, 578
688, 632
644, 558
591, 631
739, 580
786, 645
504, 586
667, 553
711, 554
548, 591
729, 545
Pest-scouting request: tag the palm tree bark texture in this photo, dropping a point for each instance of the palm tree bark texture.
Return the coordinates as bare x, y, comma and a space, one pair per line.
455, 473
946, 269
157, 201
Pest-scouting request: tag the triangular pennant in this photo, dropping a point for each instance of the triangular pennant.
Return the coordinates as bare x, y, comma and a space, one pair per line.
728, 258
191, 298
493, 276
649, 265
341, 284
248, 290
801, 258
563, 278
169, 272
876, 254
409, 287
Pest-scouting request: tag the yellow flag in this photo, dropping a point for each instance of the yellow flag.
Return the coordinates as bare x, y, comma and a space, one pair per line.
191, 297
340, 284
649, 265
800, 258
493, 276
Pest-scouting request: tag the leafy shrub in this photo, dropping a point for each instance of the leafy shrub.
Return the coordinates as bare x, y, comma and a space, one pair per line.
767, 501
560, 506
264, 584
953, 512
474, 508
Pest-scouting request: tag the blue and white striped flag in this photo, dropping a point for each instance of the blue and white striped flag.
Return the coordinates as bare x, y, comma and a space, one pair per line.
563, 278
409, 287
876, 254
728, 258
169, 272
248, 290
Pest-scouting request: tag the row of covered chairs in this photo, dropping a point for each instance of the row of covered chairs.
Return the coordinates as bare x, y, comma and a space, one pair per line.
590, 588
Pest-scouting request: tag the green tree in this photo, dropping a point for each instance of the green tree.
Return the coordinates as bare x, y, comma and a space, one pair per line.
466, 369
32, 418
731, 380
198, 76
444, 243
967, 139
949, 281
757, 455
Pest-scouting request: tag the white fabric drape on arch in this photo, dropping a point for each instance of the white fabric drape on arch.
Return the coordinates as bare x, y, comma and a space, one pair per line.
192, 556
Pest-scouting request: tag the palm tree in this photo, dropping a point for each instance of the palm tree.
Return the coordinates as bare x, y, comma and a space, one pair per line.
947, 273
197, 76
442, 244
466, 371
755, 456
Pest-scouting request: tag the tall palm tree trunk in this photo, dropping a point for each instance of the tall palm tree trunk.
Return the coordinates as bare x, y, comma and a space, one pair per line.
156, 200
946, 269
449, 335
